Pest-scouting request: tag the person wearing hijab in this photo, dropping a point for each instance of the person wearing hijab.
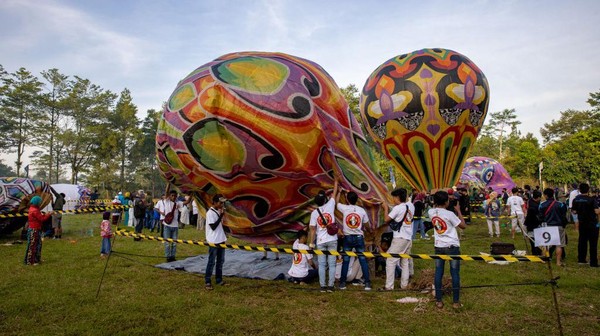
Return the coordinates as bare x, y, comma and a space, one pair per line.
33, 254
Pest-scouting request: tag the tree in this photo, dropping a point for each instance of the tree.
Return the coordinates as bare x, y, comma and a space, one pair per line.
144, 154
569, 123
124, 132
20, 107
4, 121
502, 125
88, 106
485, 146
352, 96
6, 170
525, 158
53, 106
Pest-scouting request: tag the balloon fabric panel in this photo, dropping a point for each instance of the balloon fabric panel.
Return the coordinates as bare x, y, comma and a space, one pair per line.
424, 110
267, 130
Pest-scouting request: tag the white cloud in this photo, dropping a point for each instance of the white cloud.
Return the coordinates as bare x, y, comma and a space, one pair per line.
75, 37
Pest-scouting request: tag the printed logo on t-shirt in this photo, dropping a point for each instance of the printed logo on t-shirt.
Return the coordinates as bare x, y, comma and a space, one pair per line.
327, 218
297, 258
439, 225
353, 221
409, 218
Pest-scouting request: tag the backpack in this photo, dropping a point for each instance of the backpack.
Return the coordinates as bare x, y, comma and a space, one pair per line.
396, 226
138, 209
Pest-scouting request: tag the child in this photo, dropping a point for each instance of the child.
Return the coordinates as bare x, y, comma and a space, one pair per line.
106, 233
446, 242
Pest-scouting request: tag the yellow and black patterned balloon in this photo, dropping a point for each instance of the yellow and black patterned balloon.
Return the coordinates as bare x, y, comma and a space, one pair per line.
425, 109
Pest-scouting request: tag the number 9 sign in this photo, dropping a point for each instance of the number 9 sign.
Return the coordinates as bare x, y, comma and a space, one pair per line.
546, 236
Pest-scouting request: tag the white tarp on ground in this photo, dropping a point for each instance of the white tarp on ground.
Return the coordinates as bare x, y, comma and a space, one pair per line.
242, 264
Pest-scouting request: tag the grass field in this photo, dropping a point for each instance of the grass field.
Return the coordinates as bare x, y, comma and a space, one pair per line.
58, 297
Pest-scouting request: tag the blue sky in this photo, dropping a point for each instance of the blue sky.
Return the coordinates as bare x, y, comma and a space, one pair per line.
540, 57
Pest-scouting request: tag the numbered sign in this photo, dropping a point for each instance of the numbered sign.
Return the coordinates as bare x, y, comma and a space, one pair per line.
546, 236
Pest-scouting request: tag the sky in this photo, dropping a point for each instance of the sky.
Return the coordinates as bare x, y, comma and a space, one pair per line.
540, 57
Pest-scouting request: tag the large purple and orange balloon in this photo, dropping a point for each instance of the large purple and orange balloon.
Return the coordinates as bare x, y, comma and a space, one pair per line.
269, 131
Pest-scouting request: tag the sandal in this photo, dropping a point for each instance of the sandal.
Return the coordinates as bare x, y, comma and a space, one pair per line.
439, 304
457, 305
208, 287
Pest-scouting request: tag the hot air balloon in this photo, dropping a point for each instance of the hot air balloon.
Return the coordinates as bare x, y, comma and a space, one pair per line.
15, 194
483, 171
269, 131
424, 110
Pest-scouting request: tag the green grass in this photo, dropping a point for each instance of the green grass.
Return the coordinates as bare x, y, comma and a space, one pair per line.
58, 297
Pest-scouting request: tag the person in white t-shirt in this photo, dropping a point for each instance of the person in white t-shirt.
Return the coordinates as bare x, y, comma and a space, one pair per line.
170, 230
323, 215
215, 234
574, 193
303, 269
354, 222
403, 213
516, 209
160, 208
446, 242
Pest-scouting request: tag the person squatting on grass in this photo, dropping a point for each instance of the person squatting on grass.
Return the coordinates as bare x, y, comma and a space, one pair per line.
354, 222
215, 234
106, 234
33, 253
303, 269
322, 216
586, 209
402, 213
446, 242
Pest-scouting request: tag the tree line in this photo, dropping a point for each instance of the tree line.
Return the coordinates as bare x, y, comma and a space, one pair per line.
82, 133
78, 131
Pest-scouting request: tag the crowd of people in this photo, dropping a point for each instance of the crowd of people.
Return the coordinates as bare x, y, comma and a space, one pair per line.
447, 212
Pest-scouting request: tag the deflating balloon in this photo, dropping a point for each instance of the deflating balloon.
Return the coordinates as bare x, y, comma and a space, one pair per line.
483, 171
424, 110
267, 130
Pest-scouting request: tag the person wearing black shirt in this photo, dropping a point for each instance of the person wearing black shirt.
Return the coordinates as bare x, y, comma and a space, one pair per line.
554, 213
587, 212
531, 219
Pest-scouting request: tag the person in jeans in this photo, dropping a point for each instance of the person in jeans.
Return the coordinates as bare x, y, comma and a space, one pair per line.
419, 204
354, 222
492, 209
403, 213
171, 230
319, 219
446, 242
215, 235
